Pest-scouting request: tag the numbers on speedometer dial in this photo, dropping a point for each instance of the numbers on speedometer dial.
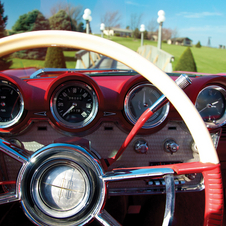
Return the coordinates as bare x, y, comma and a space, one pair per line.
74, 104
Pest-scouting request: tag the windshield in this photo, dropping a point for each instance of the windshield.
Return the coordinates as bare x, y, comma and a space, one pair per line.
174, 36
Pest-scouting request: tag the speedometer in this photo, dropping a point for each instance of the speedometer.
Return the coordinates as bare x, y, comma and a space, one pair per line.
141, 97
210, 104
74, 104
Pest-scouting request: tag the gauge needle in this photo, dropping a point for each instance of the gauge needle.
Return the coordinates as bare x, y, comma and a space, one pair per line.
69, 110
56, 186
215, 102
144, 98
202, 109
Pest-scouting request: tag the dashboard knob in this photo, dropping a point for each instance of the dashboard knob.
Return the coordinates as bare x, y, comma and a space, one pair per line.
171, 146
141, 146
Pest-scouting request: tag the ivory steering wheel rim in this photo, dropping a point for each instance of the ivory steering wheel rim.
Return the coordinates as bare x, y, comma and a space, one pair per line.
135, 61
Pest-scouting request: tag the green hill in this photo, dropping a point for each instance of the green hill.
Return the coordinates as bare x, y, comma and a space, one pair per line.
208, 60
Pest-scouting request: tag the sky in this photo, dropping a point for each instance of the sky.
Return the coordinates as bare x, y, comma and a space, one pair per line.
199, 20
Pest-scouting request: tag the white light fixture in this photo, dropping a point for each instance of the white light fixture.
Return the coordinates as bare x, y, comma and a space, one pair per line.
86, 16
142, 30
160, 20
102, 28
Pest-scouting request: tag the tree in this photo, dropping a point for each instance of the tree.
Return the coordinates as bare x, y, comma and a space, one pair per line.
166, 33
54, 58
186, 62
32, 21
198, 45
135, 21
175, 33
152, 27
3, 20
111, 19
61, 21
74, 12
136, 33
81, 27
5, 62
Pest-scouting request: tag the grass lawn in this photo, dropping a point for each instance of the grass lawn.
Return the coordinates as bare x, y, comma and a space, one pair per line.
208, 60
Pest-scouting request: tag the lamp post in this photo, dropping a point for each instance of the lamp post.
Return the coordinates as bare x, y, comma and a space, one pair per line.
86, 16
160, 20
102, 27
142, 29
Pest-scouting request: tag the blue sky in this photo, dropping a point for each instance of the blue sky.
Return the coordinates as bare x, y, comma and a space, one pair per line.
196, 19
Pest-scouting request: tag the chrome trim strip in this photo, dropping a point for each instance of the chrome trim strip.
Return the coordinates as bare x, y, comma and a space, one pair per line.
133, 173
106, 219
170, 200
8, 197
14, 152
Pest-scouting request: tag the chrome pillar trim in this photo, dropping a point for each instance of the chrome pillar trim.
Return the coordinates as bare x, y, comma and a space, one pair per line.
8, 197
133, 173
170, 200
14, 152
106, 219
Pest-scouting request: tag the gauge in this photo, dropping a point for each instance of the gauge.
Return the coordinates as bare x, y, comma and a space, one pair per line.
74, 104
141, 97
11, 104
210, 104
60, 188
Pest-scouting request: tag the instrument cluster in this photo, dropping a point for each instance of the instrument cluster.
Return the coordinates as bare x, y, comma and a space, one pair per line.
77, 103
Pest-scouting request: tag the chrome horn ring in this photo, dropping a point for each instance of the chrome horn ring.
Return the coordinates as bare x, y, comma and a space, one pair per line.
62, 181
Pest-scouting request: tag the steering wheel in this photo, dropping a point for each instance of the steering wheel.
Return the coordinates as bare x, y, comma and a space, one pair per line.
52, 156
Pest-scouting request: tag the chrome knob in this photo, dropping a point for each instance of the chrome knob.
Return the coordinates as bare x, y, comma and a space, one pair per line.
141, 146
171, 146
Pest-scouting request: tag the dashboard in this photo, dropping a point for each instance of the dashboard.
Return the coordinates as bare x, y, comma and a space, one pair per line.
99, 111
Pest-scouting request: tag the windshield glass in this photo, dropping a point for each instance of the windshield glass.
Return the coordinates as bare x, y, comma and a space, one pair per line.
174, 36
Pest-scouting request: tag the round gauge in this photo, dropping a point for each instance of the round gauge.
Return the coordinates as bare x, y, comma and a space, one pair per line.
74, 104
210, 104
141, 97
11, 104
60, 189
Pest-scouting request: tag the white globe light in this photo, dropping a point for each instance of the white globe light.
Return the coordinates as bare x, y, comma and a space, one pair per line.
161, 13
90, 18
85, 16
102, 26
142, 28
87, 11
161, 18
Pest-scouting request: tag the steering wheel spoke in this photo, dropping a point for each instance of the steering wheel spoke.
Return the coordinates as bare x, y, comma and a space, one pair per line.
106, 219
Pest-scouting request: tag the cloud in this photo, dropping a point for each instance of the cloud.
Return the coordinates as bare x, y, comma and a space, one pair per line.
198, 15
135, 4
207, 28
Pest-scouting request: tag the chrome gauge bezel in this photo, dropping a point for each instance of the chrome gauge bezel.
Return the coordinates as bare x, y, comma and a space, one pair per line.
56, 115
4, 125
221, 121
150, 123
